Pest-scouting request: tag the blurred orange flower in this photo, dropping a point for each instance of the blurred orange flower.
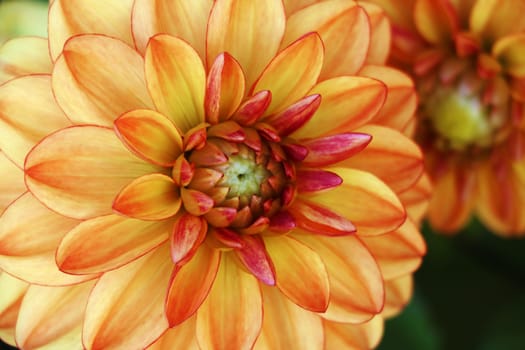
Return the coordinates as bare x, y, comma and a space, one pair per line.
467, 58
223, 160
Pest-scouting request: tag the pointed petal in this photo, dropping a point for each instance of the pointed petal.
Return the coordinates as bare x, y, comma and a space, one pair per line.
126, 308
234, 299
493, 19
180, 337
176, 80
57, 323
300, 271
191, 284
344, 53
186, 237
78, 171
401, 99
29, 236
150, 135
295, 116
511, 51
241, 28
69, 18
108, 242
150, 197
195, 202
436, 20
399, 252
255, 258
98, 78
320, 219
383, 211
316, 180
12, 184
416, 199
299, 329
23, 56
398, 293
224, 88
391, 156
293, 72
21, 125
356, 284
333, 149
348, 103
253, 108
349, 336
183, 19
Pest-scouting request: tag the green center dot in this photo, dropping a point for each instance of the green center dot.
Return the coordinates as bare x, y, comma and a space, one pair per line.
244, 177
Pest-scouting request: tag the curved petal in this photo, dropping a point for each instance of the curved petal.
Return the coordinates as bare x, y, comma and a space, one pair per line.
98, 78
399, 252
150, 135
29, 235
356, 284
23, 56
126, 308
288, 326
107, 242
234, 299
380, 34
12, 184
191, 284
184, 19
364, 200
176, 80
347, 103
78, 171
398, 293
301, 274
13, 291
436, 20
493, 19
366, 335
511, 51
401, 99
344, 28
56, 323
180, 337
416, 199
391, 156
250, 31
73, 17
23, 124
293, 72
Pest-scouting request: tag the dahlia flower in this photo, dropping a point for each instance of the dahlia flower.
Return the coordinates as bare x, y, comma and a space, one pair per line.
206, 174
468, 63
20, 17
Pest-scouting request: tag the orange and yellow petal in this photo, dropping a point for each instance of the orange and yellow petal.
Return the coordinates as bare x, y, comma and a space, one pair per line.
23, 56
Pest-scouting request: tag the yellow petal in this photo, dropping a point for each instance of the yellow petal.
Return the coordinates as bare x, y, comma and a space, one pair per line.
364, 200
288, 326
13, 291
344, 28
126, 307
78, 171
72, 17
97, 78
250, 31
436, 20
510, 50
180, 337
380, 34
231, 316
29, 236
493, 19
348, 336
416, 198
176, 80
22, 56
293, 72
184, 19
21, 123
55, 324
12, 184
108, 242
398, 293
347, 103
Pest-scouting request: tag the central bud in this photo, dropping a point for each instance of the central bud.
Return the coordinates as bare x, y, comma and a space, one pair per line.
244, 176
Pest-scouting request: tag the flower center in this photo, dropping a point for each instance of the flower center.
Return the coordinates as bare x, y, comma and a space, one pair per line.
460, 120
244, 176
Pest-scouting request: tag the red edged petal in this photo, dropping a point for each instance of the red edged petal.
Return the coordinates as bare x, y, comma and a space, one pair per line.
296, 115
253, 108
316, 180
255, 258
320, 220
187, 235
332, 149
195, 202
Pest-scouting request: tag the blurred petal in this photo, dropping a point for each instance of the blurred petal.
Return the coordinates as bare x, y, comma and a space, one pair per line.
288, 326
353, 336
107, 242
344, 28
126, 308
78, 171
436, 20
98, 78
23, 56
398, 293
383, 211
183, 19
416, 199
493, 19
240, 27
510, 50
21, 125
176, 80
72, 17
347, 103
233, 306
